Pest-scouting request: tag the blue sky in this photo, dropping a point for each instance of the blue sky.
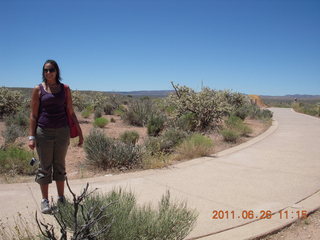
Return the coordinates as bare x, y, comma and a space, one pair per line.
266, 47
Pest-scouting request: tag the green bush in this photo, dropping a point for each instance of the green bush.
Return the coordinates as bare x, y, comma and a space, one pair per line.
119, 111
235, 123
130, 137
242, 112
86, 113
166, 142
208, 106
79, 100
100, 122
127, 220
138, 113
257, 113
230, 135
16, 126
186, 122
104, 152
97, 113
10, 101
266, 114
15, 160
11, 133
155, 125
19, 119
97, 147
194, 146
157, 160
108, 108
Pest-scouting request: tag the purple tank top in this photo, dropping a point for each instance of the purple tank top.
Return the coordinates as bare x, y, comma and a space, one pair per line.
52, 112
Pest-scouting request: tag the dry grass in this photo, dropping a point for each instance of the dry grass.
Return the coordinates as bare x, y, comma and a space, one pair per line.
195, 146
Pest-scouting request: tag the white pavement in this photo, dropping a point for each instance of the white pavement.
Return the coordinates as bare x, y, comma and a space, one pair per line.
278, 170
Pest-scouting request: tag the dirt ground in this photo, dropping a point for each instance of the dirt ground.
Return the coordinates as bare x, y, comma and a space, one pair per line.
77, 168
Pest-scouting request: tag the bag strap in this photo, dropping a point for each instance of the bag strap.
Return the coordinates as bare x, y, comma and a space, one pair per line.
66, 94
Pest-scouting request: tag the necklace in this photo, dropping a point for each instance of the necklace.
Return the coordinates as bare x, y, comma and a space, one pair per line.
54, 88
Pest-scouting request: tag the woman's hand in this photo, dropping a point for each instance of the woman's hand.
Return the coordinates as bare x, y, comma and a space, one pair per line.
32, 144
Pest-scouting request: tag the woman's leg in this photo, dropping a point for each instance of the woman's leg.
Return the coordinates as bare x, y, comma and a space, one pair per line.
44, 190
60, 188
61, 145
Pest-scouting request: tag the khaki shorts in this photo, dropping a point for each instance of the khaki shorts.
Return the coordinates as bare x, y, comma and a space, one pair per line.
52, 145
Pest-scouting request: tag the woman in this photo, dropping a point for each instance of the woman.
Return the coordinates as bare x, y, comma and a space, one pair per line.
49, 131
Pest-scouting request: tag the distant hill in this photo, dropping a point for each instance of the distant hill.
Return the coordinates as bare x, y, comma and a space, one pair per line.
287, 100
291, 97
152, 93
164, 93
156, 93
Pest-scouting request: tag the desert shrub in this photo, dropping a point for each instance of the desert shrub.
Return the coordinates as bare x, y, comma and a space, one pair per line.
100, 122
86, 113
97, 113
186, 122
126, 155
265, 114
15, 160
208, 106
11, 133
104, 152
194, 146
16, 126
157, 160
232, 100
10, 101
257, 113
155, 125
242, 112
98, 100
235, 123
108, 108
19, 119
138, 113
127, 220
96, 146
120, 110
79, 101
230, 135
130, 137
166, 142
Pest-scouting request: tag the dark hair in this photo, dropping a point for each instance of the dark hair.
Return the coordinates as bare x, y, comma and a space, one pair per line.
56, 67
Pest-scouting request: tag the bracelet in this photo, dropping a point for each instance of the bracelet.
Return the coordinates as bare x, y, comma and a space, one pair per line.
32, 137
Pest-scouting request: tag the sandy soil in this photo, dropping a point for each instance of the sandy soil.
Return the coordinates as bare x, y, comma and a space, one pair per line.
76, 167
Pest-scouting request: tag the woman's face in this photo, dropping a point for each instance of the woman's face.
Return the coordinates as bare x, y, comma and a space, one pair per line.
50, 72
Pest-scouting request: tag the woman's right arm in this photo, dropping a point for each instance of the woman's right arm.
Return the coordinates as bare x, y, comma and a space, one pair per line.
34, 115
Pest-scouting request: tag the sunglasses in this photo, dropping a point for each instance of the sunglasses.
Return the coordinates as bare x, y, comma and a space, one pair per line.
50, 70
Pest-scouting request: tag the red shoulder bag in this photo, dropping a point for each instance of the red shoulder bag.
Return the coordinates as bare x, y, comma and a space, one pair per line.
72, 125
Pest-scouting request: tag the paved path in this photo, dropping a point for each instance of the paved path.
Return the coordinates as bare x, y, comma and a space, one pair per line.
278, 170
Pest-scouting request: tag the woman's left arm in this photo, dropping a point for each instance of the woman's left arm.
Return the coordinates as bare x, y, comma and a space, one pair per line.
73, 115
